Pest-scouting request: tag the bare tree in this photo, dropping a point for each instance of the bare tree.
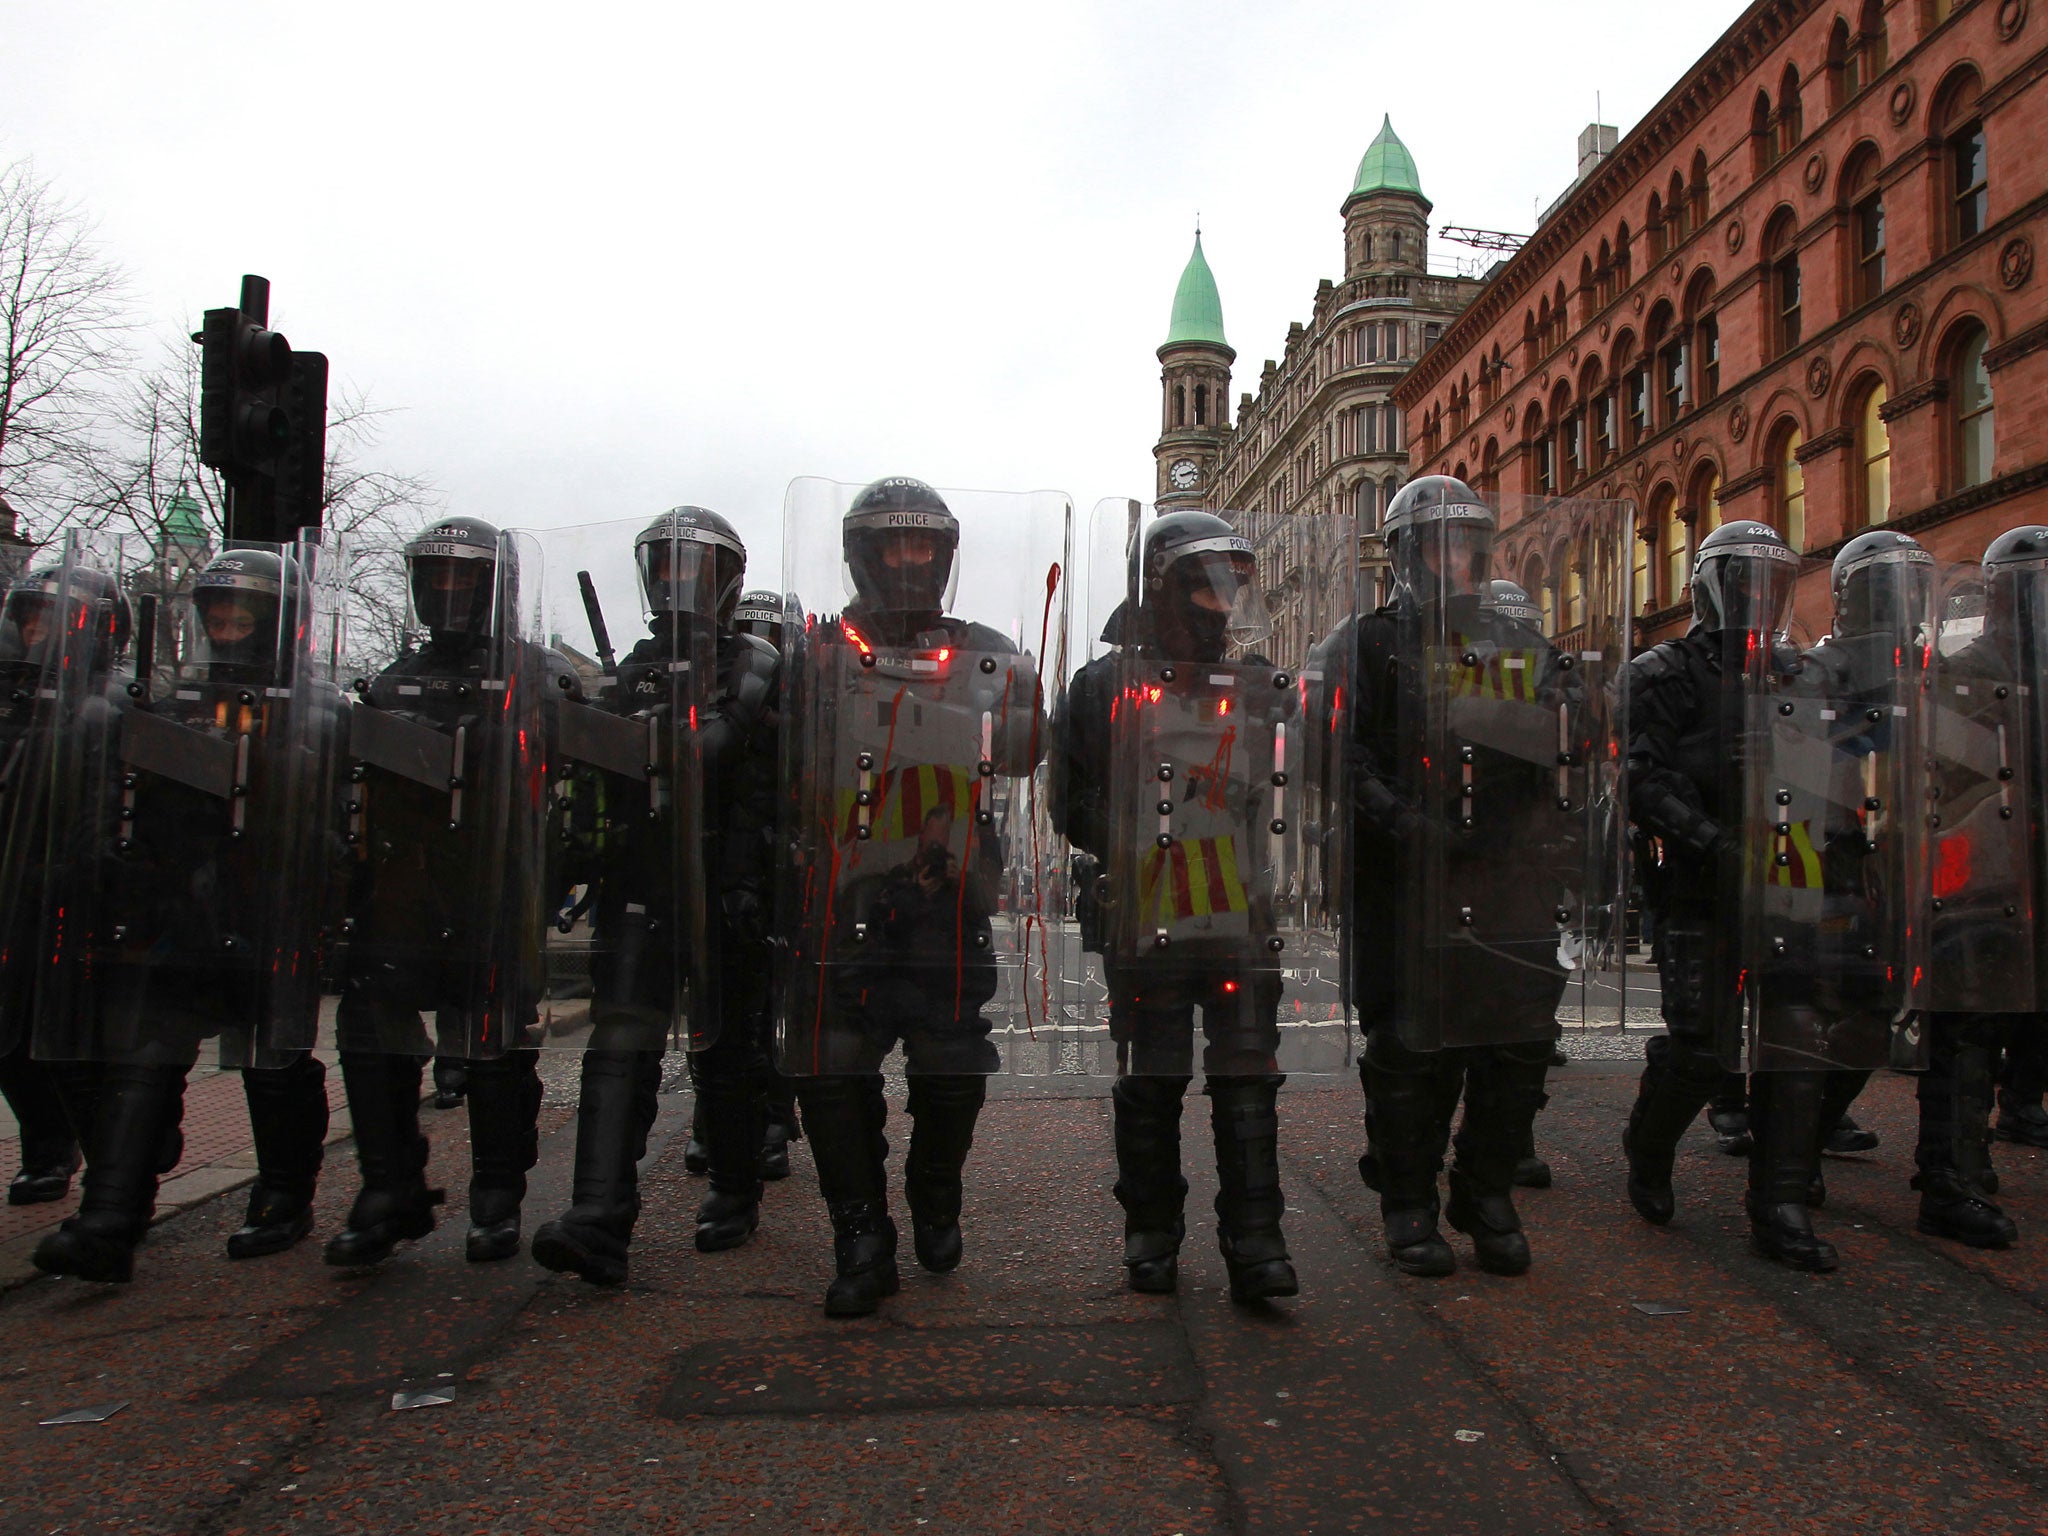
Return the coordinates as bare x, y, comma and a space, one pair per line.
63, 328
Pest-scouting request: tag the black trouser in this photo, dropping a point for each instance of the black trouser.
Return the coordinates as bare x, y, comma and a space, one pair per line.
1411, 1096
48, 1141
2023, 1077
504, 1109
1683, 1070
1956, 1092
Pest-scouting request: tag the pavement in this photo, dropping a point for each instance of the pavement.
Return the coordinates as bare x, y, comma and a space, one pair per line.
1637, 1380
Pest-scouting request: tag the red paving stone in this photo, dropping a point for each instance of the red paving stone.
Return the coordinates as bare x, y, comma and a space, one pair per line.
1030, 1391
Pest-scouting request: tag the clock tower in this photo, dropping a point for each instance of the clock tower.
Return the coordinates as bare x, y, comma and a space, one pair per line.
1194, 391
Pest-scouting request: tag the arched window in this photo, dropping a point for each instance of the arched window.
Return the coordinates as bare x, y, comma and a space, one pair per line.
1368, 245
1589, 297
1696, 212
1574, 588
1542, 454
1659, 241
1488, 456
1201, 405
1180, 405
1842, 81
1790, 475
1866, 226
1791, 121
1970, 396
1781, 260
1674, 538
1873, 481
1603, 275
1395, 254
1871, 42
1706, 500
1624, 260
1674, 208
1965, 159
1366, 505
1763, 149
1642, 597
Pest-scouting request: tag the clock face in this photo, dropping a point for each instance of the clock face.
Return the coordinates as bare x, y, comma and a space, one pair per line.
1184, 474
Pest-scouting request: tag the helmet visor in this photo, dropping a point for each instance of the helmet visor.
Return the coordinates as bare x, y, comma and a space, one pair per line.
1891, 597
1447, 558
451, 594
900, 570
1748, 589
233, 628
1209, 599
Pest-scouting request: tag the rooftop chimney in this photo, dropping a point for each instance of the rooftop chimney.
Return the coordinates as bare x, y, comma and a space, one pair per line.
1596, 143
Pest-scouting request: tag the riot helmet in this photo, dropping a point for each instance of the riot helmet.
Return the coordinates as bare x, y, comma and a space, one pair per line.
563, 678
239, 613
691, 565
760, 614
1196, 582
1513, 604
452, 572
1743, 578
2016, 572
35, 622
1883, 584
1439, 537
900, 538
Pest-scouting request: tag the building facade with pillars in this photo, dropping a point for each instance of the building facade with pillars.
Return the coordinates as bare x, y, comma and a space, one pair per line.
1322, 432
1802, 290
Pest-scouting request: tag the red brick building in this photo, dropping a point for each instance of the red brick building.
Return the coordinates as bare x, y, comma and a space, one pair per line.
1803, 290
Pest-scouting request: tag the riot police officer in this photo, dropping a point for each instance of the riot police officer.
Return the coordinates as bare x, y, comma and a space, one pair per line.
1467, 863
28, 643
1193, 594
690, 564
444, 895
1986, 871
1694, 760
890, 915
760, 615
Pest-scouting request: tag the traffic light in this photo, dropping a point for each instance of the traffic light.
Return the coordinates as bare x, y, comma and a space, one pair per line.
244, 368
262, 419
302, 467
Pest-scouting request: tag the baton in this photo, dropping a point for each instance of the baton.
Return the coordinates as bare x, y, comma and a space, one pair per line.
145, 637
606, 657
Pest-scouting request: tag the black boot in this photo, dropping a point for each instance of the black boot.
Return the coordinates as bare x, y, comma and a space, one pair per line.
49, 1146
1244, 1117
943, 1109
1503, 1094
1531, 1171
504, 1144
132, 1106
394, 1203
1149, 1185
1667, 1103
735, 1115
1407, 1130
451, 1081
696, 1154
864, 1253
1954, 1152
288, 1118
1785, 1117
615, 1107
1728, 1114
782, 1128
1839, 1135
844, 1118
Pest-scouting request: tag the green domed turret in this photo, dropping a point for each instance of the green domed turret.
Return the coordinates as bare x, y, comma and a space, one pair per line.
1197, 311
1387, 166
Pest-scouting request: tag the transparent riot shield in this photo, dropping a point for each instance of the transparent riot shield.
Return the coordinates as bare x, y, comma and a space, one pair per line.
1194, 789
1487, 740
446, 801
631, 963
65, 610
177, 777
1834, 867
923, 896
1983, 780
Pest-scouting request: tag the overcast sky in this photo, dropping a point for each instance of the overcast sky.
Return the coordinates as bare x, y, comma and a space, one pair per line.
607, 258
